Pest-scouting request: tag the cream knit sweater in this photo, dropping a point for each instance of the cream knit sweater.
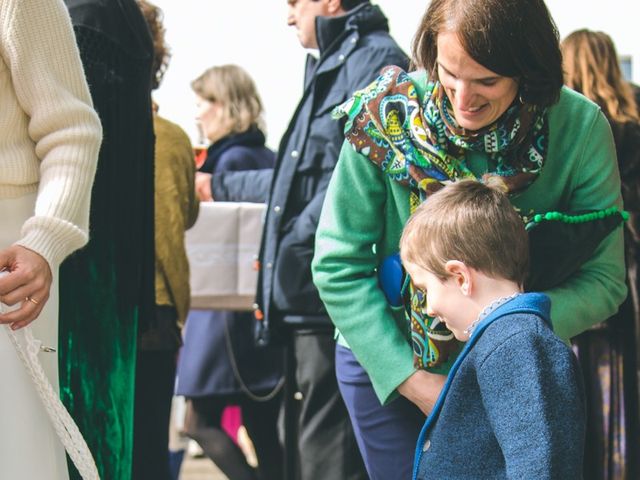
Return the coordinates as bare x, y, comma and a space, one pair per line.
49, 133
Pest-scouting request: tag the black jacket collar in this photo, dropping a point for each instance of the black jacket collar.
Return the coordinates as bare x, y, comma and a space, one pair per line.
364, 18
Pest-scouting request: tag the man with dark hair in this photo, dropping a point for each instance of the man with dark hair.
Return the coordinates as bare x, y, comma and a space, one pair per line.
354, 44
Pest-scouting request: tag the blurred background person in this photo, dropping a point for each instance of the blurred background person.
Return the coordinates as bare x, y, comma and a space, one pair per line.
353, 43
107, 289
49, 145
176, 210
608, 351
219, 364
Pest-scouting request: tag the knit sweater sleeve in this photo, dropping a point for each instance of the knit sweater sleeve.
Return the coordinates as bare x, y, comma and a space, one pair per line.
49, 90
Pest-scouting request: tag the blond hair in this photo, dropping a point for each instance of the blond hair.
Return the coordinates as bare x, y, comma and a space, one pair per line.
236, 91
591, 68
472, 223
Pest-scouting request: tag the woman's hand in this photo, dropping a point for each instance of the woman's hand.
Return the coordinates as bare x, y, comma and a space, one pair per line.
203, 186
422, 388
29, 281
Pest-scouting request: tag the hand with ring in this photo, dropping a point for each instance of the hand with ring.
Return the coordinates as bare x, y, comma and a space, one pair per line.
28, 282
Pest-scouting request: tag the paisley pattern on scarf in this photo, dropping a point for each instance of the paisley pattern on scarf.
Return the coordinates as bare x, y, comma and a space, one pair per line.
421, 146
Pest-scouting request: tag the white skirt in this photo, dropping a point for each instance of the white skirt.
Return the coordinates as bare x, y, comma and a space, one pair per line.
29, 446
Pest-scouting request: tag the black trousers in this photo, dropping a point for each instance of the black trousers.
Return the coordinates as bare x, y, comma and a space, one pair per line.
326, 444
155, 377
155, 380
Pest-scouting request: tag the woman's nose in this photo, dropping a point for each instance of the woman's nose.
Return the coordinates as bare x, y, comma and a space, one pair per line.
464, 95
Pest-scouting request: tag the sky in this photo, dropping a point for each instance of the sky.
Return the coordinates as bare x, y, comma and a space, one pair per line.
254, 34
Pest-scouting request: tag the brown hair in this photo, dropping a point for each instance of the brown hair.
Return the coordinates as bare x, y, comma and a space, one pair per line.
161, 55
513, 38
592, 68
470, 222
234, 88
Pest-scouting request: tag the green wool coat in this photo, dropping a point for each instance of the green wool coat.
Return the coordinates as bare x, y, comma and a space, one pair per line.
364, 213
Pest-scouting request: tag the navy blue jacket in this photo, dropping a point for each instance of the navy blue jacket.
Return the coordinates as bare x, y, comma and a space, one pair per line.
239, 151
353, 49
211, 337
513, 405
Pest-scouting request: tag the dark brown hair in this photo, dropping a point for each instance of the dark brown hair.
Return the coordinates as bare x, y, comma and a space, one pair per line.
161, 55
470, 222
513, 38
591, 68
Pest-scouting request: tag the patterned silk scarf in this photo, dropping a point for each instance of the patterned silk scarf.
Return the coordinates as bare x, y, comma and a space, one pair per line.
422, 146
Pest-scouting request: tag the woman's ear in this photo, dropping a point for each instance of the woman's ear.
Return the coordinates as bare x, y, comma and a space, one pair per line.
461, 275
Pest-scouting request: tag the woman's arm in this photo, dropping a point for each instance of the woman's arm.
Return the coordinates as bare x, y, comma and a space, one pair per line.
38, 46
594, 293
344, 271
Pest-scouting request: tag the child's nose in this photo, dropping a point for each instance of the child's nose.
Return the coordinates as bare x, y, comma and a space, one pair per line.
430, 311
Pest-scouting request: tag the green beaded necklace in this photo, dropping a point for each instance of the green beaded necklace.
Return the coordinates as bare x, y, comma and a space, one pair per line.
578, 218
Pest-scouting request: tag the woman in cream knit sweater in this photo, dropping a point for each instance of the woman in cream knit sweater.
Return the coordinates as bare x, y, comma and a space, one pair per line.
49, 141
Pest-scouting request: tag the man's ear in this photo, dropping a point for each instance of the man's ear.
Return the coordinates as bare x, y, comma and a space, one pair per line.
335, 7
460, 274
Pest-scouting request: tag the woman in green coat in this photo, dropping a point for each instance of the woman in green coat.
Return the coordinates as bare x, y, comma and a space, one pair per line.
490, 106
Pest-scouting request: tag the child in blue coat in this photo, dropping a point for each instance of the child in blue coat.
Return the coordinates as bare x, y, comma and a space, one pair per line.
512, 405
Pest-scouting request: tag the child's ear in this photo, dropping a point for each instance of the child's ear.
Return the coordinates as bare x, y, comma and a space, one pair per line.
460, 274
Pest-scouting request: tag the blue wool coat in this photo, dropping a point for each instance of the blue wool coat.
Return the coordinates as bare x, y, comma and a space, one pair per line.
512, 406
214, 339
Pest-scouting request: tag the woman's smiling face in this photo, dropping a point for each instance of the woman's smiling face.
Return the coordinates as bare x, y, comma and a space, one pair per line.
478, 95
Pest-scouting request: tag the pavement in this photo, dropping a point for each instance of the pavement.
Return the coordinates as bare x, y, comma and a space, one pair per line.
200, 468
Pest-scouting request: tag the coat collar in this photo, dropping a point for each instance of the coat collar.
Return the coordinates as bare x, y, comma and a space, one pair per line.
338, 37
253, 137
363, 18
533, 303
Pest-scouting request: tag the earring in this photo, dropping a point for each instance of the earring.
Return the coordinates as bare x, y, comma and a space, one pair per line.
522, 91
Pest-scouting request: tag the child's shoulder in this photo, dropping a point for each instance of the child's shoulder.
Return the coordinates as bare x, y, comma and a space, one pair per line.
518, 330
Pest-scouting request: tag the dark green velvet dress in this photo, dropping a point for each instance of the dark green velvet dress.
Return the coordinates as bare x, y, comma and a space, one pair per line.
106, 289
